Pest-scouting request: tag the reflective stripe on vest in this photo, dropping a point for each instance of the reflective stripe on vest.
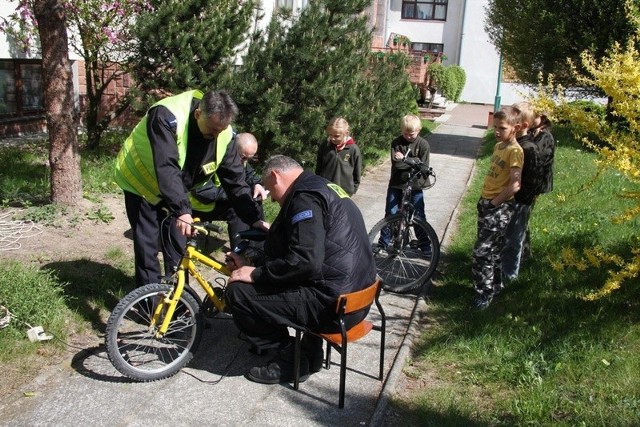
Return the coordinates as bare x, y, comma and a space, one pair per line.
222, 142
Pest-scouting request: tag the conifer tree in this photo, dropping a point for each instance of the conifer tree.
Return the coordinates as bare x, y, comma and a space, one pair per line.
315, 65
188, 44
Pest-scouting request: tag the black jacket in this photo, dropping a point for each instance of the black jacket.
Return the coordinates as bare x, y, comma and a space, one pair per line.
531, 171
418, 148
547, 146
318, 239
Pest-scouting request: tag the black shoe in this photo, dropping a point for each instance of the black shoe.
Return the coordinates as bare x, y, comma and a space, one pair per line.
481, 302
278, 371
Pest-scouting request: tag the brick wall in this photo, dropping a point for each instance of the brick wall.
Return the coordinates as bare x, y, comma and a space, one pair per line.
19, 126
114, 92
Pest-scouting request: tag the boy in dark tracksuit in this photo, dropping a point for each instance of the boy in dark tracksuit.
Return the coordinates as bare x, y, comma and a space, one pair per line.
524, 198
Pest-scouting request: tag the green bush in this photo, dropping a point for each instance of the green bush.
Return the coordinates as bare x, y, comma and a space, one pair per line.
437, 75
590, 107
448, 80
457, 74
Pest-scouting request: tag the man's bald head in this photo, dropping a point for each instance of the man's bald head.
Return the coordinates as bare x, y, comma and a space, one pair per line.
247, 145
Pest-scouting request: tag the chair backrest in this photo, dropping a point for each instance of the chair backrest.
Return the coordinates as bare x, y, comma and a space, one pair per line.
358, 300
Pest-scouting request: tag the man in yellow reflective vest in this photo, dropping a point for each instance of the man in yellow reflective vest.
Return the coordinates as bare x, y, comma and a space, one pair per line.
180, 143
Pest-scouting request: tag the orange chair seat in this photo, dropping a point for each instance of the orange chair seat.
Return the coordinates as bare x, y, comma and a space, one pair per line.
353, 334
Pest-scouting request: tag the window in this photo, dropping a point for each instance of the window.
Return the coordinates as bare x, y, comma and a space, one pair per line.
427, 10
20, 87
284, 3
428, 47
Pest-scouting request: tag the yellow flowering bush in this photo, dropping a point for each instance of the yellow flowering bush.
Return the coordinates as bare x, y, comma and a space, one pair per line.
617, 75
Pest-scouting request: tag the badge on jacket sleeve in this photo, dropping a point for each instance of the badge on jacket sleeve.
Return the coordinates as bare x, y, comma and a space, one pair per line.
301, 216
339, 191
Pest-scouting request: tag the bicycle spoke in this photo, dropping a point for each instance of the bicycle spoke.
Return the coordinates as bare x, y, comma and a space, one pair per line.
133, 345
404, 254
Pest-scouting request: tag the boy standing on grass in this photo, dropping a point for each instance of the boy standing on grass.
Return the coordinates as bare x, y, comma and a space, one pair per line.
495, 206
541, 133
529, 189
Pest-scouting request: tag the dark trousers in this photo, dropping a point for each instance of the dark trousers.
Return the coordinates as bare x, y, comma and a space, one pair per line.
145, 220
263, 312
154, 232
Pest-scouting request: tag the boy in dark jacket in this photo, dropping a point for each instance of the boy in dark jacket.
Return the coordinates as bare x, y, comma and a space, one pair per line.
524, 198
409, 144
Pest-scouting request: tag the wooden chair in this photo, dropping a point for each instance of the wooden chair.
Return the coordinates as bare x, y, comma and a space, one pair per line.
347, 303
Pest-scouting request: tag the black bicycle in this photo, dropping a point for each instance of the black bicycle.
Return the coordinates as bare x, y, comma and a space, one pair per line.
406, 249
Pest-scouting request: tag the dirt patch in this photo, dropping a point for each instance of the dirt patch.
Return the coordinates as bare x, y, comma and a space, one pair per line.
79, 235
89, 231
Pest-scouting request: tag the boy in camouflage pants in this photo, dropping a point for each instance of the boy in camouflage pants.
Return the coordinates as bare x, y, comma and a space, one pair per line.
495, 206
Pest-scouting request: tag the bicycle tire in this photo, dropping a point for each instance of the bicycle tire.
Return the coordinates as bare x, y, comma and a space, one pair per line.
132, 346
402, 265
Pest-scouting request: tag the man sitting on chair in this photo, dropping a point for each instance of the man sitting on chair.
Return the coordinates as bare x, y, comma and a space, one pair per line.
316, 249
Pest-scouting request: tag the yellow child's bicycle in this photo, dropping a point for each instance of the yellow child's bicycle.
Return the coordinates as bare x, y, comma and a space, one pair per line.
154, 331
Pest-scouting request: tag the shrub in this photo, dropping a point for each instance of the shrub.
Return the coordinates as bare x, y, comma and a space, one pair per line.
448, 80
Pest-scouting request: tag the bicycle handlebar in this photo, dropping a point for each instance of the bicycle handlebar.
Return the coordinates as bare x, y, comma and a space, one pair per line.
206, 228
418, 168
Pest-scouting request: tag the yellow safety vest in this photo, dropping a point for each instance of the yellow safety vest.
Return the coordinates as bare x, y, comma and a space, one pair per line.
134, 167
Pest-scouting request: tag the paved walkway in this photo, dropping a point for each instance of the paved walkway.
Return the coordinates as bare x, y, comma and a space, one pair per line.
212, 390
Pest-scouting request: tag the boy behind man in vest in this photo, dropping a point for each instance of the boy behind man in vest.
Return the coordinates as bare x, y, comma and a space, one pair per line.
247, 145
495, 206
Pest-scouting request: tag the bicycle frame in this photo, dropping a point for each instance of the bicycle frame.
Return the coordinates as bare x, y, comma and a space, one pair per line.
407, 209
187, 264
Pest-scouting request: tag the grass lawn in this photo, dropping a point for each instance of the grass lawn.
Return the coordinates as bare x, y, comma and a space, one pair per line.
541, 354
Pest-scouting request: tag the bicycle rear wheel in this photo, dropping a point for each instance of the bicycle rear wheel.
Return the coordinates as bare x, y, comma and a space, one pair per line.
132, 345
406, 256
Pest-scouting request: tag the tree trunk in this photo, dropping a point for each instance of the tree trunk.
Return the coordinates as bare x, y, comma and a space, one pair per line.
62, 120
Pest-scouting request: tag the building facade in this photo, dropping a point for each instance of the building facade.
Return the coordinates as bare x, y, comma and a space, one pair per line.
455, 29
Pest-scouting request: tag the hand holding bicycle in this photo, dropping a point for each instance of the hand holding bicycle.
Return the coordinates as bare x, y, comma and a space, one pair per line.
233, 261
183, 224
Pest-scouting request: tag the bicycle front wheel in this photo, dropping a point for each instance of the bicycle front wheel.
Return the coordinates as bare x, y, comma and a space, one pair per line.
132, 343
406, 255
